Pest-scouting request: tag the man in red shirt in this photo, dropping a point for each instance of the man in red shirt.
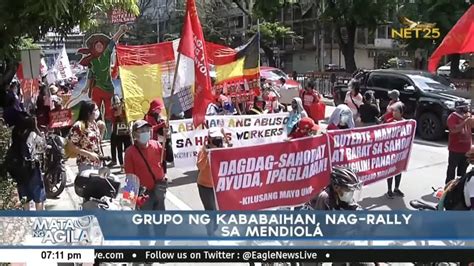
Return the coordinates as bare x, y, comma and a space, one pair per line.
460, 125
310, 99
144, 160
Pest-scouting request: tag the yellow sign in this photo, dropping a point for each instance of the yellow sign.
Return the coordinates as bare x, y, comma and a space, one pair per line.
415, 30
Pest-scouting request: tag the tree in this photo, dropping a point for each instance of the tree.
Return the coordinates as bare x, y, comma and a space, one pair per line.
435, 11
34, 18
347, 15
266, 12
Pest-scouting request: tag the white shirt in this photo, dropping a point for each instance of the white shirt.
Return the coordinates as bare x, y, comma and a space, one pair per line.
357, 100
469, 191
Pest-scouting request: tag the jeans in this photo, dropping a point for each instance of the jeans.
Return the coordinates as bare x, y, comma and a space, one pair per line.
118, 144
456, 160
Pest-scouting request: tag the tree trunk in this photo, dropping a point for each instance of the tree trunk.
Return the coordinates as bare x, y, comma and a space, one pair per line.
8, 71
454, 59
269, 54
347, 48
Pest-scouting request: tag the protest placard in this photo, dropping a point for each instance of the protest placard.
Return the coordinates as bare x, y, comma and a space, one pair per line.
118, 16
375, 152
270, 175
59, 119
242, 130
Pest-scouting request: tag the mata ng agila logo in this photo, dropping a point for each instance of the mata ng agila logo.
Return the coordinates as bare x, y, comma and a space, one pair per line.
414, 29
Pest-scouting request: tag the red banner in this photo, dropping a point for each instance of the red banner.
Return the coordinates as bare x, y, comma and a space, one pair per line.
60, 119
376, 152
270, 175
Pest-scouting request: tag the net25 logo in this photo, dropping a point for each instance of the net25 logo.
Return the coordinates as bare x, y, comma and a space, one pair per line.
62, 230
415, 30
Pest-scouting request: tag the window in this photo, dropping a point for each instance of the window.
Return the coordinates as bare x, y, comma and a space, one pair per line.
398, 83
382, 32
361, 36
379, 81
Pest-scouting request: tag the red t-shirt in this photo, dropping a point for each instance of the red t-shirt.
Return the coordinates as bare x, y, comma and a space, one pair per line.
297, 134
134, 163
459, 142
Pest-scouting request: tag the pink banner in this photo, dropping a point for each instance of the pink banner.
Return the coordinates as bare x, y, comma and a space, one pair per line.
376, 152
270, 175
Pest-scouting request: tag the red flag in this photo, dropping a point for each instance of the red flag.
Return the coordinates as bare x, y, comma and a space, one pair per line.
459, 40
193, 45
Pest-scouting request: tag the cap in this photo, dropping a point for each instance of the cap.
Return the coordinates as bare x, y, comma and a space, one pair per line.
139, 124
393, 94
215, 132
308, 124
461, 104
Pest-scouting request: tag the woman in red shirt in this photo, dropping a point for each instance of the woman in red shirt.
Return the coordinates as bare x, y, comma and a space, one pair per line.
310, 99
397, 115
305, 128
394, 98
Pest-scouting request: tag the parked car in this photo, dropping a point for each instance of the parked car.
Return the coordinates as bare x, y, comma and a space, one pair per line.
274, 75
428, 98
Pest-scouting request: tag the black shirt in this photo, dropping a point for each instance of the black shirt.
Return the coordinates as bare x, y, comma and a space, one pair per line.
369, 113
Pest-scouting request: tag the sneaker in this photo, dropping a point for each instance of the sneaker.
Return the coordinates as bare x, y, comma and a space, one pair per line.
390, 194
112, 164
398, 193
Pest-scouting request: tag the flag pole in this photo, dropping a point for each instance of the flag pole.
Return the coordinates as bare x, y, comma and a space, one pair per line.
168, 112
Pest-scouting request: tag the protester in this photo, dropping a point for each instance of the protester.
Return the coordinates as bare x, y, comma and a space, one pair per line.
397, 115
23, 162
214, 108
306, 127
370, 110
120, 137
14, 94
354, 98
160, 130
85, 137
339, 195
460, 125
227, 106
296, 114
14, 111
341, 118
394, 98
283, 85
258, 107
311, 99
216, 139
55, 99
42, 107
271, 97
469, 186
143, 159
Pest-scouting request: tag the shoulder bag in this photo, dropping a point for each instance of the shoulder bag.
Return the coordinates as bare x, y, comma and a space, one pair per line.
160, 185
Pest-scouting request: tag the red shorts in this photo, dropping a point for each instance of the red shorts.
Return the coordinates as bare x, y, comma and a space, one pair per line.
103, 100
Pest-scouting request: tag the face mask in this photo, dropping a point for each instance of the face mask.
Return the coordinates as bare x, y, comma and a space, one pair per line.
347, 196
96, 114
143, 138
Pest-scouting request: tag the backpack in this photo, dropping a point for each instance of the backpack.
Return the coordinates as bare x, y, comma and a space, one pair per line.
454, 193
19, 162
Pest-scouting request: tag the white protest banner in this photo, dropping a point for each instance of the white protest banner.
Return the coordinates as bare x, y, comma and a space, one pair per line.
61, 69
243, 130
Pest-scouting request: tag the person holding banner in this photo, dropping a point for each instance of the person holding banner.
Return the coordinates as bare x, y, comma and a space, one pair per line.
296, 114
397, 115
258, 107
216, 139
305, 128
341, 118
56, 101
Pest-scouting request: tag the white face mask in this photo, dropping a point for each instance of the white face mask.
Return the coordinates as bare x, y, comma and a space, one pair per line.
96, 114
347, 196
143, 138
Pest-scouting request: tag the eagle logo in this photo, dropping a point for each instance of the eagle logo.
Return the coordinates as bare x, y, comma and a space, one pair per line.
412, 24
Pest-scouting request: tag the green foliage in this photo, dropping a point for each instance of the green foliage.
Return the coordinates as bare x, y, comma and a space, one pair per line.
271, 31
433, 11
8, 193
362, 13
